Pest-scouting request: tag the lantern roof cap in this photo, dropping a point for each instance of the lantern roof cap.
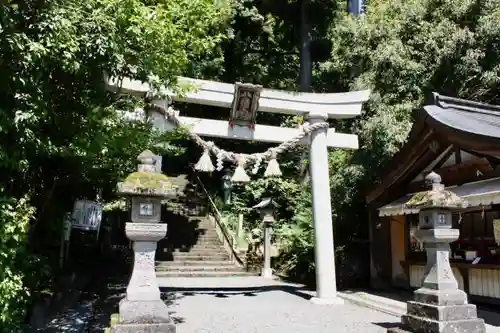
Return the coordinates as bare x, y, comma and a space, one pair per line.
266, 203
436, 197
146, 157
146, 181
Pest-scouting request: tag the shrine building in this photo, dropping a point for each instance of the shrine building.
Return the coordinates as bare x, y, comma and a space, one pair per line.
459, 140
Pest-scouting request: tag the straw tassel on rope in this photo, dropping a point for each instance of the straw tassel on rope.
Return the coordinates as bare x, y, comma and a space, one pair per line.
205, 162
273, 167
240, 176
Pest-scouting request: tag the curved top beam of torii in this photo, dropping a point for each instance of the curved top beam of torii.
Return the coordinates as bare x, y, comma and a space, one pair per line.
335, 105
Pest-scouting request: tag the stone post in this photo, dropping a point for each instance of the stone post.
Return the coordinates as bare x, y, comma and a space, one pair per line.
438, 306
239, 233
324, 253
266, 209
227, 187
267, 272
142, 309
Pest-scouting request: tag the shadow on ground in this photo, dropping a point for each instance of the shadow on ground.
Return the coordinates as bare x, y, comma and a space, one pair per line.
109, 295
225, 292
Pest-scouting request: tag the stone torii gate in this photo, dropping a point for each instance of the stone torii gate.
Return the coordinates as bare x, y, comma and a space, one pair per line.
315, 107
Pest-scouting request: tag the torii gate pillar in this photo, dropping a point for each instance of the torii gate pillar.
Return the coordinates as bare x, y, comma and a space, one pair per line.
324, 253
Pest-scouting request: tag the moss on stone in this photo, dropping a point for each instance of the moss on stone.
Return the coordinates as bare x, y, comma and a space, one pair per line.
149, 180
116, 205
436, 198
417, 198
114, 319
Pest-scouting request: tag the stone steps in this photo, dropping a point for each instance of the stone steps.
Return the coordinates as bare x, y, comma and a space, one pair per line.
208, 240
206, 229
201, 247
204, 268
203, 253
210, 236
207, 257
207, 274
198, 252
194, 263
200, 257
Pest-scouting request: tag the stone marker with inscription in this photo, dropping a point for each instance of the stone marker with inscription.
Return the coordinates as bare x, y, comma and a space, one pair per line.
439, 306
142, 309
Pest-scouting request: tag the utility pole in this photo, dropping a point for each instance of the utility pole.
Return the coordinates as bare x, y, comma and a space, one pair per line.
305, 73
355, 7
305, 76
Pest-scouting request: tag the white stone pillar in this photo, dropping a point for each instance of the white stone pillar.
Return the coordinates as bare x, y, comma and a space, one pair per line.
267, 272
324, 253
142, 308
240, 225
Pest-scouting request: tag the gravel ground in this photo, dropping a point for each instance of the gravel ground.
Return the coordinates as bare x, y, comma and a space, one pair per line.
247, 305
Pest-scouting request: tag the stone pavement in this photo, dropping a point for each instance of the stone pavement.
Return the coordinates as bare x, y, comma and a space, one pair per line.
254, 304
245, 305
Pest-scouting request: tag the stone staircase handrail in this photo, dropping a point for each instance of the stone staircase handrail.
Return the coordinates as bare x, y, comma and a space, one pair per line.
222, 229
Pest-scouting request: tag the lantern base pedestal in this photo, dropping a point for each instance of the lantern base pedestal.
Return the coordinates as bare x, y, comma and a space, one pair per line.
143, 328
137, 312
431, 318
143, 317
432, 326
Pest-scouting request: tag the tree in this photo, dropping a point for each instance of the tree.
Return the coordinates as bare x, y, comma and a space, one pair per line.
61, 137
402, 51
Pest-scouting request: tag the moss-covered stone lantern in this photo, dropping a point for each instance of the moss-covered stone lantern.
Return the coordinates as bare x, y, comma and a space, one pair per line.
438, 306
146, 189
142, 309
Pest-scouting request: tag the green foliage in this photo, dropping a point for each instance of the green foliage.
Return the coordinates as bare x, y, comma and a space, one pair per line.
69, 138
400, 50
403, 51
15, 262
296, 241
62, 136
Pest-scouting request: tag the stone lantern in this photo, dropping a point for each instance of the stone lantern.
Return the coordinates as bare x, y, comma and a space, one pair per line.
227, 186
266, 209
438, 306
142, 309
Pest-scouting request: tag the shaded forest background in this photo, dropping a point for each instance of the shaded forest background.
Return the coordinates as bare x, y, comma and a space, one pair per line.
61, 137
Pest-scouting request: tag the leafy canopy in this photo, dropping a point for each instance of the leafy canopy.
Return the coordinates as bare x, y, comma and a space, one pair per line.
61, 137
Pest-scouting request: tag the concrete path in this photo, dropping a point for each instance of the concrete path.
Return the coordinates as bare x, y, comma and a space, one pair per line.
253, 304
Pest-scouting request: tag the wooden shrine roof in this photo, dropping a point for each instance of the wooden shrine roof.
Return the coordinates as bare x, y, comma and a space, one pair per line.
448, 121
465, 117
